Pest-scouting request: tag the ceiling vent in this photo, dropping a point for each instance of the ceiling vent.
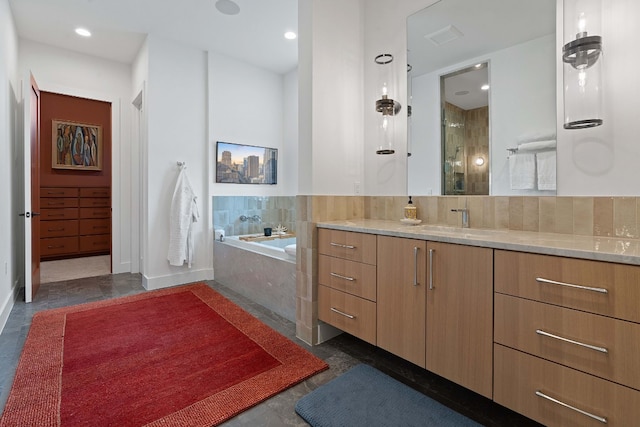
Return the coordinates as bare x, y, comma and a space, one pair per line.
444, 35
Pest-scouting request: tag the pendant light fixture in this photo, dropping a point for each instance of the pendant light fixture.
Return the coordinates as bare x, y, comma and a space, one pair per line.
385, 105
582, 58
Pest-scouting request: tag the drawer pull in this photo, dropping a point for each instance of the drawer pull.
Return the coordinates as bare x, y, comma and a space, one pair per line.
55, 192
55, 229
415, 266
55, 247
55, 203
339, 276
342, 313
52, 214
585, 288
431, 251
342, 246
592, 347
595, 417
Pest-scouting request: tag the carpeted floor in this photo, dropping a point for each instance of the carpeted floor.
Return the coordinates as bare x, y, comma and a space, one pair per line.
74, 268
183, 356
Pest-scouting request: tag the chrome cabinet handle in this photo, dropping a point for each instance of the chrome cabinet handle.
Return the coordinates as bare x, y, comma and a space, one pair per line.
570, 285
415, 266
431, 251
342, 246
339, 276
566, 405
592, 347
342, 313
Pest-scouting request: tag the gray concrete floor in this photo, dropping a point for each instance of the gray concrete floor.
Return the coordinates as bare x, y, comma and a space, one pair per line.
341, 353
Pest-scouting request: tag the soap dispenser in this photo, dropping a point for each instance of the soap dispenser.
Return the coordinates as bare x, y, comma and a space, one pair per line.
410, 211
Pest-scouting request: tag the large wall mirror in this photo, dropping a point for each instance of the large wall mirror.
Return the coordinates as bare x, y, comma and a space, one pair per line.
482, 90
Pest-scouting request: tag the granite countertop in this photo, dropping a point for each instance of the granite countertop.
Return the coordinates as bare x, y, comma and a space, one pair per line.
611, 249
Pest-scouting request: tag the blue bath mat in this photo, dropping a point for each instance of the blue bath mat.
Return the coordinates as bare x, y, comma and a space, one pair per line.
364, 396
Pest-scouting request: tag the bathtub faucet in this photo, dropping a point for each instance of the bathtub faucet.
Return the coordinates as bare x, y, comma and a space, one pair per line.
254, 218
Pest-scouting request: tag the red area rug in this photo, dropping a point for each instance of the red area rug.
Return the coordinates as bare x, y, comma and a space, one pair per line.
182, 356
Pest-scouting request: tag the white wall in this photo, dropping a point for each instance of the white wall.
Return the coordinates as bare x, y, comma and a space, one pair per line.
604, 160
61, 71
331, 92
176, 94
252, 106
10, 170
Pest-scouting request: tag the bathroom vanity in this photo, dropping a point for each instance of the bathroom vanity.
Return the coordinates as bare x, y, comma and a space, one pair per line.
547, 325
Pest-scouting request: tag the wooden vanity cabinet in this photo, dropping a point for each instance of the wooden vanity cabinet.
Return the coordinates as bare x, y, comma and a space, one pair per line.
459, 327
567, 338
401, 297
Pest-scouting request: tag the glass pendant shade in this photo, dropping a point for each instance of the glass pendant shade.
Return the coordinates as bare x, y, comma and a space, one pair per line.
582, 68
385, 105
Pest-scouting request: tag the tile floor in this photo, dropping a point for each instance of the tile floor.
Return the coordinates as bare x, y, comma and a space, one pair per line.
341, 353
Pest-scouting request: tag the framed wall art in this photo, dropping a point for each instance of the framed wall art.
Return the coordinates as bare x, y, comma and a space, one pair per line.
76, 146
246, 164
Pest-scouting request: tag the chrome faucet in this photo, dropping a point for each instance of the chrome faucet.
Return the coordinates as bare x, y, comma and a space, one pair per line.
465, 216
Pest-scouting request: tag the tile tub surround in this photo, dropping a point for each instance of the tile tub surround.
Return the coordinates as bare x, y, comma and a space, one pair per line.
273, 210
265, 280
579, 216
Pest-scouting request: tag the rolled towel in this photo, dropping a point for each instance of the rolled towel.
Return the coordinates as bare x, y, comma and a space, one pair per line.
522, 171
546, 166
542, 135
537, 145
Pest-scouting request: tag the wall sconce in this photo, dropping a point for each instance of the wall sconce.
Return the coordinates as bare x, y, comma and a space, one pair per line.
479, 161
582, 58
385, 105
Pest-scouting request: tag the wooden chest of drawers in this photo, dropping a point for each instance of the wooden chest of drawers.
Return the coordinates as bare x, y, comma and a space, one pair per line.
347, 279
567, 338
75, 221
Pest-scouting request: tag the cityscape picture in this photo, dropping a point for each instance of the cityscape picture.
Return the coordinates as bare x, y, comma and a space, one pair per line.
246, 164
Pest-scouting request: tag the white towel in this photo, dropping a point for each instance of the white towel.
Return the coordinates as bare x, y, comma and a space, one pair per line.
522, 171
184, 212
537, 145
546, 166
543, 135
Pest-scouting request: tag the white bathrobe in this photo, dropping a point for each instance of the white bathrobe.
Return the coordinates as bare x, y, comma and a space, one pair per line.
184, 212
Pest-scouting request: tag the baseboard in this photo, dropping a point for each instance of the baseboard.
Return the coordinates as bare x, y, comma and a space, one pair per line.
152, 283
7, 305
123, 267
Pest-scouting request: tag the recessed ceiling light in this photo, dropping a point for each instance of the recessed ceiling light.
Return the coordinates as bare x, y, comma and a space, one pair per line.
83, 32
478, 65
484, 87
290, 35
227, 7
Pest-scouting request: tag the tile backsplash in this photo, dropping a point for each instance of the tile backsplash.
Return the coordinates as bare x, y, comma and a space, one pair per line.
272, 210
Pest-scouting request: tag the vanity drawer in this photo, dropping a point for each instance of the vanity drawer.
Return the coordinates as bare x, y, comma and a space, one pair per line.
519, 376
600, 345
354, 315
58, 228
596, 287
355, 278
358, 247
58, 246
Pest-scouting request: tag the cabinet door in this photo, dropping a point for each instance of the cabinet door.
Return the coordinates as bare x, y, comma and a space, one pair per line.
401, 297
460, 315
